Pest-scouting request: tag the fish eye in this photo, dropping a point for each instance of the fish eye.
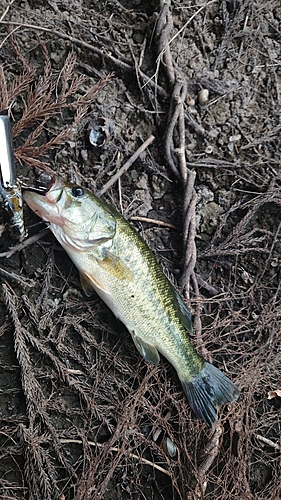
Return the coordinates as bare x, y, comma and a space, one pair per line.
77, 191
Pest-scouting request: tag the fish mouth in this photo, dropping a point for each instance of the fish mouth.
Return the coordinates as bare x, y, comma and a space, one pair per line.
44, 183
48, 186
54, 190
44, 200
51, 182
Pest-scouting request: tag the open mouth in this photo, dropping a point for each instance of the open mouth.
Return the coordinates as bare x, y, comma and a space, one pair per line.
44, 183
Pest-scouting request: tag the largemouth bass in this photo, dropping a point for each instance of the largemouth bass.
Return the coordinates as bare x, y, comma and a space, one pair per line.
114, 261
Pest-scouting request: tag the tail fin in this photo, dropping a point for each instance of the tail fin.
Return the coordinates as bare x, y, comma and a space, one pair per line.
207, 390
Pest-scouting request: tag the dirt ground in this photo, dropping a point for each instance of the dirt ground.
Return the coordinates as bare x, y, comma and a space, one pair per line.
87, 83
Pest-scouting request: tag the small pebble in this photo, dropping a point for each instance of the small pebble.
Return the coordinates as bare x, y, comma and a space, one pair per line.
190, 101
209, 150
169, 447
235, 138
203, 97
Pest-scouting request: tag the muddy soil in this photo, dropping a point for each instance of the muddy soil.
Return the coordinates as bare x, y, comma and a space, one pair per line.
82, 416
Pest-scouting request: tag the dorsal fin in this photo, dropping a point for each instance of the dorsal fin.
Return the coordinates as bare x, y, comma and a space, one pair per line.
185, 314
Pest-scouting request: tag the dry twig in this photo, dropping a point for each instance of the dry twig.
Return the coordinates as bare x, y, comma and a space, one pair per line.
24, 244
117, 450
126, 166
269, 442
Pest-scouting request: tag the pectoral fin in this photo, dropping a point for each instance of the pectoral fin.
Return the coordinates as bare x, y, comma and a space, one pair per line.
148, 351
89, 283
115, 266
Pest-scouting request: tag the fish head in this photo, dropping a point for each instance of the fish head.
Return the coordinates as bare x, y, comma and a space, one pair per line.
76, 216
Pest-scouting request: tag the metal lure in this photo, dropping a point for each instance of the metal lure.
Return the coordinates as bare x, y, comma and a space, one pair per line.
10, 191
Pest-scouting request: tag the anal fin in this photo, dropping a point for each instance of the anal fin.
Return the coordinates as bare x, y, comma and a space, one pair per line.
148, 351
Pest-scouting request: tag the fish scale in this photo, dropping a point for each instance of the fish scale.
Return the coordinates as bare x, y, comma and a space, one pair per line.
114, 261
